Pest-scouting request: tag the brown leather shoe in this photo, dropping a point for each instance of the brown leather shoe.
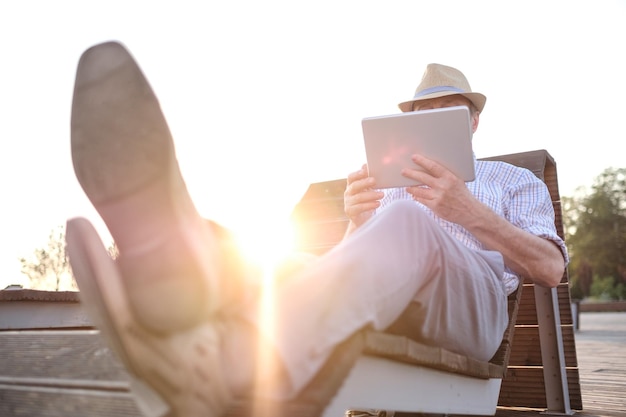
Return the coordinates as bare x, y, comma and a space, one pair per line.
180, 372
125, 161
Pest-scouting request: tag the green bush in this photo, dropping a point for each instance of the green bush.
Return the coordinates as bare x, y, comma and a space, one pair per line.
575, 290
605, 289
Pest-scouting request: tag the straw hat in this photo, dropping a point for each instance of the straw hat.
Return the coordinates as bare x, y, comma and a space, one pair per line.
439, 81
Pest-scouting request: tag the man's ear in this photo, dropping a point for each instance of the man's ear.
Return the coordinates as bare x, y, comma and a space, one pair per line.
475, 119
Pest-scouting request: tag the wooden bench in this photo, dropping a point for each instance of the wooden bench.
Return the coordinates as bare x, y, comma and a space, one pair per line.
61, 367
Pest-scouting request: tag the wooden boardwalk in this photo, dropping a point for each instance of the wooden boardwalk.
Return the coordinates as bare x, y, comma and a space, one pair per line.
25, 356
601, 350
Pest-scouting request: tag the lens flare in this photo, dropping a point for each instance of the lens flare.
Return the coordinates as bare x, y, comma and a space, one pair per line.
267, 246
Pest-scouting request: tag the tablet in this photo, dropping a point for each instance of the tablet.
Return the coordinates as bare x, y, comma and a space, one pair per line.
443, 135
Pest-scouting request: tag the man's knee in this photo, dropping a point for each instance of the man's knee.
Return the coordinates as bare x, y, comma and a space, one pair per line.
400, 207
405, 210
292, 264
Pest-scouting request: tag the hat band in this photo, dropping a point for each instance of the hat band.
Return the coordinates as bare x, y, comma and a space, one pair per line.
437, 89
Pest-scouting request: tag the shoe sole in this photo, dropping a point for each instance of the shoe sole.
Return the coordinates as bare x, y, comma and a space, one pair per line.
178, 373
125, 161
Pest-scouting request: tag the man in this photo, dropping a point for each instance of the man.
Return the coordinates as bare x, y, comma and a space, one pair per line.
175, 312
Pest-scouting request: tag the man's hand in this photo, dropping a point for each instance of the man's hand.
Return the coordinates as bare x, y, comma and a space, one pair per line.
442, 191
360, 199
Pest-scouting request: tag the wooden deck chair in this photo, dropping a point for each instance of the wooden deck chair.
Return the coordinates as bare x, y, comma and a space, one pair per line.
400, 374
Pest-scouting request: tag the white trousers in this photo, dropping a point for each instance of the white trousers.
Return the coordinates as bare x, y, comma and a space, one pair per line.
399, 256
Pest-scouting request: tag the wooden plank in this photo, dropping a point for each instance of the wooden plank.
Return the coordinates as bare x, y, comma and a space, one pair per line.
524, 387
322, 200
61, 402
19, 315
65, 373
73, 355
526, 351
35, 309
528, 313
25, 294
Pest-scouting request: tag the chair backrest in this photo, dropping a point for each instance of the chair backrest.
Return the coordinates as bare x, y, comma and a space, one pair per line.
525, 384
321, 225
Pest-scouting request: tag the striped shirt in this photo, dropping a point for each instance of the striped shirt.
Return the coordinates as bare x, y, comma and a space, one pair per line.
512, 192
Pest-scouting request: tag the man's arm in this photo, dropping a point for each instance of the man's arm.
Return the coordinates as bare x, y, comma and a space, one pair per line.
448, 197
526, 254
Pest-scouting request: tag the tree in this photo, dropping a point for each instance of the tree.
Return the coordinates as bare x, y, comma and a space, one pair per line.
48, 268
595, 225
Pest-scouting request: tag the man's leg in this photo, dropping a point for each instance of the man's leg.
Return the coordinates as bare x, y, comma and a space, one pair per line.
125, 161
166, 302
397, 257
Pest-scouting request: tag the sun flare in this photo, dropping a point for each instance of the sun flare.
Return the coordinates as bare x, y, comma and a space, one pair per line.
267, 246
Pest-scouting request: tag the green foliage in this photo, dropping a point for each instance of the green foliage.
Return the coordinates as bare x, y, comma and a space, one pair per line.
595, 225
606, 289
575, 289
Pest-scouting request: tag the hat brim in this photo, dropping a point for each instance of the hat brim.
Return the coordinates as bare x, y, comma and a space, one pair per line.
477, 99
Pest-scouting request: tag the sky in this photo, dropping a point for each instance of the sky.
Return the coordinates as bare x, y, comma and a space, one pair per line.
265, 97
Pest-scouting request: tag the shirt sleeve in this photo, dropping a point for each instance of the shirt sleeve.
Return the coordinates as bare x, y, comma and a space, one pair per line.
531, 209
